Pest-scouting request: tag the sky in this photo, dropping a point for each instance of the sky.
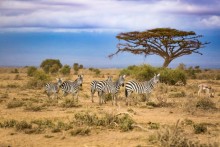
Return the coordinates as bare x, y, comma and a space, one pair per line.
83, 31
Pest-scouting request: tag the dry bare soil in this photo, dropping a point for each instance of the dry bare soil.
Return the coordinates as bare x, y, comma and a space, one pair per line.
172, 113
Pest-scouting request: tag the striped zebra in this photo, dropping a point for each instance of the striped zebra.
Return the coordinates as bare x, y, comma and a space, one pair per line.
140, 87
53, 88
94, 86
72, 87
110, 87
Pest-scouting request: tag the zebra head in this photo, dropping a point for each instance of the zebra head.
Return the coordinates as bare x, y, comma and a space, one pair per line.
121, 80
156, 78
59, 81
109, 79
80, 80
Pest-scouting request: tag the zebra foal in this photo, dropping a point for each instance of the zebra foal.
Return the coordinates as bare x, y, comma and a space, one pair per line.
53, 88
110, 87
72, 87
94, 86
140, 87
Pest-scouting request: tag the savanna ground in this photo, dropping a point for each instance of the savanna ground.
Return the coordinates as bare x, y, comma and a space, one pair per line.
172, 115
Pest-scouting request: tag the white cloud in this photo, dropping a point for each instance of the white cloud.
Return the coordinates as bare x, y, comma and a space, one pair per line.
87, 15
212, 21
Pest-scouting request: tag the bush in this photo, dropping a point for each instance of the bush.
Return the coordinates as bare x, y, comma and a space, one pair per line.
205, 104
143, 72
124, 122
65, 70
15, 71
15, 104
80, 131
51, 65
146, 72
39, 80
8, 123
76, 68
69, 103
171, 137
95, 70
34, 108
31, 70
172, 76
23, 125
200, 128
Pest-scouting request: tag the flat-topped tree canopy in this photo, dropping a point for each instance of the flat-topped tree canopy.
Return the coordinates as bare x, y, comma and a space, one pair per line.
165, 42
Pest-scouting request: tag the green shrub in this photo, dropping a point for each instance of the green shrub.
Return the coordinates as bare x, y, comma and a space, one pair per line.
51, 65
15, 71
153, 104
8, 123
39, 80
177, 94
65, 70
171, 137
200, 128
95, 70
142, 73
172, 76
23, 125
80, 131
15, 104
205, 104
124, 122
146, 72
76, 68
13, 86
69, 103
34, 107
31, 70
154, 126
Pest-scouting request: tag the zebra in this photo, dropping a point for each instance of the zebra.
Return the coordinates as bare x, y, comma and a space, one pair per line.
140, 87
110, 87
53, 88
94, 86
72, 87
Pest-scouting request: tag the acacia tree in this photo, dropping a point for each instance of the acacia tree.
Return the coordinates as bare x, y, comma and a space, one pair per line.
165, 42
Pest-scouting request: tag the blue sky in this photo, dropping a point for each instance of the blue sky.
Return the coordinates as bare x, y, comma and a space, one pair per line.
84, 31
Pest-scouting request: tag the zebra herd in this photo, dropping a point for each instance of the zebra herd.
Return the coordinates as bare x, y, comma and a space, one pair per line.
102, 87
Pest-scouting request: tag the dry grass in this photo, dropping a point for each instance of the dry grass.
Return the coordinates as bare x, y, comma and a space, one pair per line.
29, 118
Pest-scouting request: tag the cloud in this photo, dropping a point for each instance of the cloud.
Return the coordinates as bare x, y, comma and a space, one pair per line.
212, 21
105, 15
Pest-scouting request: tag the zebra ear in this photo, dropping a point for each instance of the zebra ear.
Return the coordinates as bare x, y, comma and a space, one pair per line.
158, 75
124, 76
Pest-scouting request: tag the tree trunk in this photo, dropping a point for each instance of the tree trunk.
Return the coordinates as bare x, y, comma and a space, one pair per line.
166, 62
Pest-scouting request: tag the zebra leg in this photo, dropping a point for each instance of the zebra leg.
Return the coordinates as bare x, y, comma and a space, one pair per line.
92, 94
100, 95
77, 95
116, 98
128, 99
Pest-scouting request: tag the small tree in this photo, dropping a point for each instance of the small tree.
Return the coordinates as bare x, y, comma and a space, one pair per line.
80, 66
181, 66
65, 70
51, 65
31, 70
76, 68
165, 42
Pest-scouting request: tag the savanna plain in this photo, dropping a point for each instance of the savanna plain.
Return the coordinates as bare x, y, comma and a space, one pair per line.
172, 115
